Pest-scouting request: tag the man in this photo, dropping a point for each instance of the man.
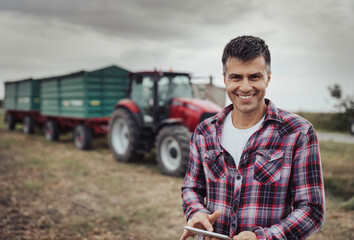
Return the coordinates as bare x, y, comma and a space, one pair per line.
254, 170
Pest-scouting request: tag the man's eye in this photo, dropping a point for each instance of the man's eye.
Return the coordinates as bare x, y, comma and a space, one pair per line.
235, 78
255, 78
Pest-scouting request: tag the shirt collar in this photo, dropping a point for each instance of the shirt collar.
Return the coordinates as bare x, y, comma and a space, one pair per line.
272, 114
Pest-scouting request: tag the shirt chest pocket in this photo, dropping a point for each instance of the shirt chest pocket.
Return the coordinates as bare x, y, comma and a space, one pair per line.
268, 165
214, 165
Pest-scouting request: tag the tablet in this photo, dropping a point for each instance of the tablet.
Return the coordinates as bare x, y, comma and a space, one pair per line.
204, 233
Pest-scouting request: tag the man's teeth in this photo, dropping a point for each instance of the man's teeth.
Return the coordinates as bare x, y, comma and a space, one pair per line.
245, 97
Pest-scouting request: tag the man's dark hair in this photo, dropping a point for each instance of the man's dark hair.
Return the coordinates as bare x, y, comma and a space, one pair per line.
246, 48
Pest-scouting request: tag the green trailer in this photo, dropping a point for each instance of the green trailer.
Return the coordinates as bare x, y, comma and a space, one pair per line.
22, 104
84, 94
80, 102
22, 95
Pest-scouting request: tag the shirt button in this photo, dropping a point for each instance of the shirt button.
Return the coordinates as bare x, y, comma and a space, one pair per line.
235, 205
238, 177
234, 225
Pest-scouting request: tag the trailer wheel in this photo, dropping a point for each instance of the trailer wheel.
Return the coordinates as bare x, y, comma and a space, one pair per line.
123, 136
83, 137
172, 146
51, 131
351, 127
28, 125
10, 121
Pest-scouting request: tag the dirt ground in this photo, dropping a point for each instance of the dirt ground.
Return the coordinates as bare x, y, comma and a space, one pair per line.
53, 191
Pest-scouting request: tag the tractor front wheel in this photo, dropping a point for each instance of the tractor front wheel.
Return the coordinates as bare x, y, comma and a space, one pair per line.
172, 150
123, 136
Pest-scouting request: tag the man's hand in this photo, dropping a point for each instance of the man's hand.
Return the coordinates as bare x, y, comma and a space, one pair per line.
201, 221
245, 235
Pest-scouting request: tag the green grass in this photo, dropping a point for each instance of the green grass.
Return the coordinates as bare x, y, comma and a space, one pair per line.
348, 205
114, 185
79, 224
338, 167
33, 186
38, 162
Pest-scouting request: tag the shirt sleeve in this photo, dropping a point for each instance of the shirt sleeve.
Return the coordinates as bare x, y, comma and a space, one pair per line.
307, 191
193, 190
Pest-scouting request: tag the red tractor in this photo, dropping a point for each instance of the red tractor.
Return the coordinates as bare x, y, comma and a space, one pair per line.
162, 113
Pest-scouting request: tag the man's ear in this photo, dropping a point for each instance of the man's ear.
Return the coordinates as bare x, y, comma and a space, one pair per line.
268, 78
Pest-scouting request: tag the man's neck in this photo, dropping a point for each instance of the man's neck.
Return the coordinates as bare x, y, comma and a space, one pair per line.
242, 120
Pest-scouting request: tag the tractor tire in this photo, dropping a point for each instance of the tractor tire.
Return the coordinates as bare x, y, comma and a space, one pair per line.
123, 136
51, 131
28, 125
10, 122
351, 127
172, 150
83, 137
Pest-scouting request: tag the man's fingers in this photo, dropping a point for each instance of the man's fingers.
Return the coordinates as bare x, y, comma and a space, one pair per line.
201, 220
246, 235
209, 220
213, 217
186, 234
207, 225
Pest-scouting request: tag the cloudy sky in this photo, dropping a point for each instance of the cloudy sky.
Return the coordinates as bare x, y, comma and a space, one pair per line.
311, 42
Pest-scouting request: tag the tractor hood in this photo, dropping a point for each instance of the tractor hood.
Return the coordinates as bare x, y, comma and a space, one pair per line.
197, 104
191, 111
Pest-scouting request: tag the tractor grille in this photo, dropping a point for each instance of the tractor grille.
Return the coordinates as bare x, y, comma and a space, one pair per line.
205, 116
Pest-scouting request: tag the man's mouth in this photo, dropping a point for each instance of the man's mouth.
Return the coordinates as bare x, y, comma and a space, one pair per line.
245, 97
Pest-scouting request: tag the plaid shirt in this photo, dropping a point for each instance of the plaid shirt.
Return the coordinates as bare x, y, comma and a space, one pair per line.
276, 191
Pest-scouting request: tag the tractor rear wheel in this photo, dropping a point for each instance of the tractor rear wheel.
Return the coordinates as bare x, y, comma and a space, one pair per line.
83, 137
172, 147
123, 136
10, 121
51, 131
28, 125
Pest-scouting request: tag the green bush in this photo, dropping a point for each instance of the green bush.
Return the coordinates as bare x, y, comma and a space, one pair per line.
334, 122
348, 205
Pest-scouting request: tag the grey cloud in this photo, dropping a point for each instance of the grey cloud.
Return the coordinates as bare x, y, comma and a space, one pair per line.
156, 19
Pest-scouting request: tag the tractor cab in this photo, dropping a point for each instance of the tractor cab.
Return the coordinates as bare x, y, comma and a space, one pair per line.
153, 92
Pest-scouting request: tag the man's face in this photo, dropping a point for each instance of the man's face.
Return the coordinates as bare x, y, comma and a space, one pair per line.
246, 84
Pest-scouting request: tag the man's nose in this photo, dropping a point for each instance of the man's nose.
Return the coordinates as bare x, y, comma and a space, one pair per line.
245, 85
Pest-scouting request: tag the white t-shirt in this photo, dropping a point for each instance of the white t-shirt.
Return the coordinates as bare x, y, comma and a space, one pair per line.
234, 140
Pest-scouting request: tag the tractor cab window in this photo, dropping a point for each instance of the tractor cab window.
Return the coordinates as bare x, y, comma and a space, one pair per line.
142, 95
173, 87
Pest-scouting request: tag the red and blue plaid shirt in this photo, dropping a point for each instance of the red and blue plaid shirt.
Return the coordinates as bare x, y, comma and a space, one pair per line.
277, 189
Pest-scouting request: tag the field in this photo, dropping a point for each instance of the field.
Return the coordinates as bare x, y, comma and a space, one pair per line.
53, 191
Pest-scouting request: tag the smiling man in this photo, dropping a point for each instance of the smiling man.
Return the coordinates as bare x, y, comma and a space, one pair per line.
254, 170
